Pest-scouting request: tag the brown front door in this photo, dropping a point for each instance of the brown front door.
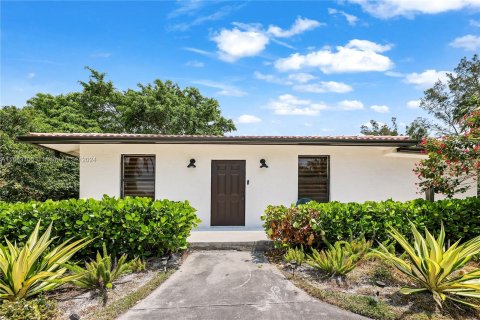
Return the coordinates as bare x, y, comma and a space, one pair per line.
228, 193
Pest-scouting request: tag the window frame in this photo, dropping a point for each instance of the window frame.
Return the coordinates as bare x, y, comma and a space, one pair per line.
122, 175
328, 174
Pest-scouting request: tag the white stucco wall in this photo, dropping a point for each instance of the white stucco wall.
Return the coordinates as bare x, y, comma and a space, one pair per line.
356, 173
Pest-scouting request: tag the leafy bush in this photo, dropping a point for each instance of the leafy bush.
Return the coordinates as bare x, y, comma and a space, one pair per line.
99, 273
435, 268
138, 265
313, 223
133, 226
292, 226
295, 254
32, 269
337, 260
38, 309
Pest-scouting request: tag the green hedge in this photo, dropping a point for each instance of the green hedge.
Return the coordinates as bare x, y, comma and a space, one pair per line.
135, 226
311, 223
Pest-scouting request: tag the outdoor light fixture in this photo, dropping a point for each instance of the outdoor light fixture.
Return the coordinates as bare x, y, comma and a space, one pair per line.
192, 164
263, 163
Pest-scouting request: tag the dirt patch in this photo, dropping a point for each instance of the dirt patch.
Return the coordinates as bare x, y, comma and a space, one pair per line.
372, 289
72, 300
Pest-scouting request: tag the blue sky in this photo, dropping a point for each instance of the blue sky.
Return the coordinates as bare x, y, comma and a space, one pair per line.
299, 68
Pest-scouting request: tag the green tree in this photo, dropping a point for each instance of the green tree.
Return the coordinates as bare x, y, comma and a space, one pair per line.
453, 156
418, 129
163, 107
376, 128
62, 113
453, 161
28, 172
448, 101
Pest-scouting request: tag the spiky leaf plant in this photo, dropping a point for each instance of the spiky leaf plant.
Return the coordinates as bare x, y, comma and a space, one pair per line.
295, 254
358, 247
437, 268
100, 273
34, 268
138, 265
337, 260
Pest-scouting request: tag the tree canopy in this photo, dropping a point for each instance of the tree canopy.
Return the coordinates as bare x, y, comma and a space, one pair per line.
375, 128
449, 101
453, 155
162, 107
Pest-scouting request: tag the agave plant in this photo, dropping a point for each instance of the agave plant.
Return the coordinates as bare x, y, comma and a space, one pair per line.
337, 260
357, 247
296, 255
99, 273
138, 265
436, 268
33, 268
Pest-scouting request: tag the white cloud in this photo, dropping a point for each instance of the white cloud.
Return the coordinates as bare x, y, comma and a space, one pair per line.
394, 74
324, 86
301, 77
290, 80
351, 19
413, 104
187, 7
391, 8
199, 51
272, 78
300, 82
425, 79
468, 42
218, 14
225, 90
380, 109
350, 105
299, 26
250, 39
356, 56
289, 105
368, 45
475, 23
101, 55
235, 44
248, 118
195, 64
31, 75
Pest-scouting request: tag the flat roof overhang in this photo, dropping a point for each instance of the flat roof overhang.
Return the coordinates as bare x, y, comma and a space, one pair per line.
69, 143
217, 140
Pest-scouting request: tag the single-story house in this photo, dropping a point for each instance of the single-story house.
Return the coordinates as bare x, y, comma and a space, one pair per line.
230, 180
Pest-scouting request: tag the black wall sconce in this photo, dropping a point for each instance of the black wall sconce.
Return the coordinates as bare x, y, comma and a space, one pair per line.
263, 163
192, 164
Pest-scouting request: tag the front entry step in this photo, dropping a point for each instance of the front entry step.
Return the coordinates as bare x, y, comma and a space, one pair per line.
230, 240
262, 245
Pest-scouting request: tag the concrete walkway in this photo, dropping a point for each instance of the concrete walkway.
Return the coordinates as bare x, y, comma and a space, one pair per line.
218, 285
229, 240
227, 236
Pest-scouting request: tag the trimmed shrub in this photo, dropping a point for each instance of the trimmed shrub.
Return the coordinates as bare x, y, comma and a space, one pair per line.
314, 223
133, 226
38, 309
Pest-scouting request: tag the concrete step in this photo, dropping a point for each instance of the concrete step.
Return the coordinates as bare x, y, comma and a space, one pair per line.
261, 245
242, 240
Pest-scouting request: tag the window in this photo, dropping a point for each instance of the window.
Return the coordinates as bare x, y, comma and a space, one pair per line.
314, 178
138, 176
